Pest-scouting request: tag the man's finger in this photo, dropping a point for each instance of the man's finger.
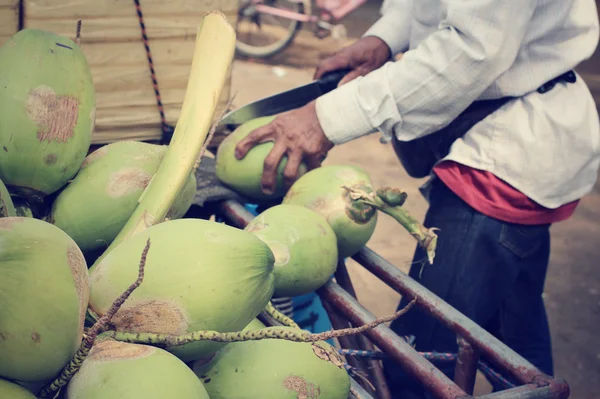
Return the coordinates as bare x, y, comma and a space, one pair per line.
351, 76
315, 161
259, 135
290, 173
270, 166
331, 64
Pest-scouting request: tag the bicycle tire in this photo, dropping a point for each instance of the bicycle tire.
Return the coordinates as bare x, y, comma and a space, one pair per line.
267, 51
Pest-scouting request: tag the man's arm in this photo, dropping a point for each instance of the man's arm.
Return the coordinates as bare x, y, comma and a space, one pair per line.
431, 85
394, 25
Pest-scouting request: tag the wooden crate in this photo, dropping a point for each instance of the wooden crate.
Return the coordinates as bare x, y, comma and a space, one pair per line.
111, 40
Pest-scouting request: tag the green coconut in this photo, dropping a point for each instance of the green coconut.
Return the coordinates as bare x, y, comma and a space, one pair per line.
120, 370
200, 275
277, 369
47, 111
97, 204
10, 390
7, 208
304, 245
44, 292
321, 190
244, 175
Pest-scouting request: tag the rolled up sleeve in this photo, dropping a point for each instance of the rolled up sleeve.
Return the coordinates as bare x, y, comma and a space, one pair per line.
432, 84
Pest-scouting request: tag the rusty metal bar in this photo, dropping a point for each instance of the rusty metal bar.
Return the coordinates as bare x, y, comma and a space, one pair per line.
240, 217
486, 343
466, 366
529, 391
348, 342
416, 365
382, 390
537, 385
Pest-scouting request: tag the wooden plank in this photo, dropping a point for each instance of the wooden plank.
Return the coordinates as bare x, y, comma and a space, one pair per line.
169, 51
141, 111
14, 4
109, 134
119, 29
132, 116
91, 9
122, 78
144, 96
141, 97
114, 28
111, 41
9, 22
137, 133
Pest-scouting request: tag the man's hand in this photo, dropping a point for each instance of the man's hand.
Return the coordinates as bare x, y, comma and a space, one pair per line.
297, 134
364, 56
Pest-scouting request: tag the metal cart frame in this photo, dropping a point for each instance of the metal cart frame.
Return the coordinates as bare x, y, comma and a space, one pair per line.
340, 301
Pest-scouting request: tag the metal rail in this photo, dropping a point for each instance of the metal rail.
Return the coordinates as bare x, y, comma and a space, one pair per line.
473, 340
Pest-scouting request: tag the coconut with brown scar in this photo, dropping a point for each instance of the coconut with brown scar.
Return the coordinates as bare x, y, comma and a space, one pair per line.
276, 369
44, 290
199, 275
47, 112
119, 370
96, 204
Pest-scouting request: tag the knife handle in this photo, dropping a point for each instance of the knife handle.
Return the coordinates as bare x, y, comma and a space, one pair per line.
330, 80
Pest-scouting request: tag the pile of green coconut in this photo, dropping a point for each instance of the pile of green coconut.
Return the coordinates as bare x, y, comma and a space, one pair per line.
77, 225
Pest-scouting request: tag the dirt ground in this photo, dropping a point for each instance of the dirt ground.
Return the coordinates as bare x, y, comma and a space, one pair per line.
573, 284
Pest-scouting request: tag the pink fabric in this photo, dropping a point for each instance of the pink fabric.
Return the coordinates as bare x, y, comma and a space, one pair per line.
497, 199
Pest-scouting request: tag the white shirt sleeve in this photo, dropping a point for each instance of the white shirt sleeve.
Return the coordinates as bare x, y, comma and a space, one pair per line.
394, 25
432, 84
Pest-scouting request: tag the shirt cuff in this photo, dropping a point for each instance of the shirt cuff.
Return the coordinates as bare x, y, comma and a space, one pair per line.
387, 29
340, 114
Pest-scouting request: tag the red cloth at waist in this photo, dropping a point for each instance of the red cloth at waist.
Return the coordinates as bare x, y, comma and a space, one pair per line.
497, 199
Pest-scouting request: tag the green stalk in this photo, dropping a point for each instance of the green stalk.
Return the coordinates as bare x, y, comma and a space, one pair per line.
280, 317
255, 335
213, 54
389, 201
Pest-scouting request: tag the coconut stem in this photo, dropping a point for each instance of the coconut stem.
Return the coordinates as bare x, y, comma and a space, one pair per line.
295, 336
280, 317
213, 54
389, 201
101, 325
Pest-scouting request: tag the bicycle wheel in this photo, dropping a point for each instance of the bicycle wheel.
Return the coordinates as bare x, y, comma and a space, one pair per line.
262, 35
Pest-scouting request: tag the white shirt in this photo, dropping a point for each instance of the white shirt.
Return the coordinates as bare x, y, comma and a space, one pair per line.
457, 51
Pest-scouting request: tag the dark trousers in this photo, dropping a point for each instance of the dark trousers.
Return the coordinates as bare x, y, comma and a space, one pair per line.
491, 271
